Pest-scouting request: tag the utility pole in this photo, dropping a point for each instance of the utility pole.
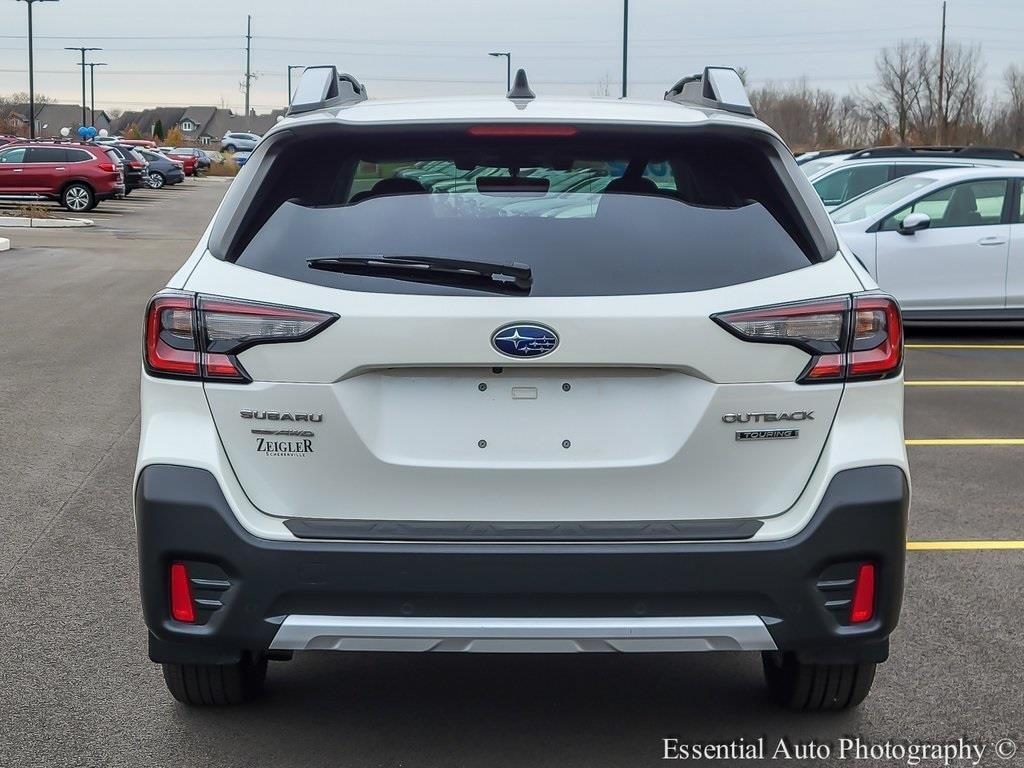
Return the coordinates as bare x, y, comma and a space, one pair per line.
82, 50
508, 67
290, 68
625, 42
31, 73
248, 63
940, 127
92, 89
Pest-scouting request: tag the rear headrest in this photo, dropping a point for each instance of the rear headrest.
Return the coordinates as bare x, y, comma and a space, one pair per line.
638, 185
393, 186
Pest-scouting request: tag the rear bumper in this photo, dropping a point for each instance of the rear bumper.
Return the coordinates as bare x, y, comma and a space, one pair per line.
258, 594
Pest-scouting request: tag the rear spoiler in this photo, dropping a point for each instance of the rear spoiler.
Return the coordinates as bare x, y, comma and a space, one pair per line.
716, 88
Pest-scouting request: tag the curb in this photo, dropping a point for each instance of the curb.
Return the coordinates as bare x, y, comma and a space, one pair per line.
23, 221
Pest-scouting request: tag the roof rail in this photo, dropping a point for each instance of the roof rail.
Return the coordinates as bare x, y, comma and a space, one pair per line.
323, 86
717, 88
966, 152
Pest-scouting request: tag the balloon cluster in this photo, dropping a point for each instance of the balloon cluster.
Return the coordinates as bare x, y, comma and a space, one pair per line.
87, 132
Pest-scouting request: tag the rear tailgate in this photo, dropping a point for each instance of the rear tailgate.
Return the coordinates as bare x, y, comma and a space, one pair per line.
403, 410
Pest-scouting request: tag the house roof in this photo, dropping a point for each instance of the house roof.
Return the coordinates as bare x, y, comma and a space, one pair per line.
199, 115
147, 119
57, 116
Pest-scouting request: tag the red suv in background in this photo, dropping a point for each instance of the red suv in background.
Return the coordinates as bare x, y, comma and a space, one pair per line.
188, 160
77, 176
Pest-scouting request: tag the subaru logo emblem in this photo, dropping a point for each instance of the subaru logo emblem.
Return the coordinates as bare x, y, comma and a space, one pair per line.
524, 340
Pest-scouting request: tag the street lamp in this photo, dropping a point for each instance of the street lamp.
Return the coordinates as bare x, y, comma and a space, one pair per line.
82, 50
31, 71
290, 68
92, 89
508, 66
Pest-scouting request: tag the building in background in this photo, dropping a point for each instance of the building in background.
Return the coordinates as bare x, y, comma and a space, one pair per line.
198, 125
50, 118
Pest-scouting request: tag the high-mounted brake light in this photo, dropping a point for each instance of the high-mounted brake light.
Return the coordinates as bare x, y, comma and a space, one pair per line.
849, 338
511, 130
199, 337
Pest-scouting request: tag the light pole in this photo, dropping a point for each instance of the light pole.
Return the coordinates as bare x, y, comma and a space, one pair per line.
290, 68
31, 72
82, 50
92, 90
625, 42
508, 67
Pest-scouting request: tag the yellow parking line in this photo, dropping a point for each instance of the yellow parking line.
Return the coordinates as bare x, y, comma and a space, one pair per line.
966, 383
967, 441
964, 346
964, 545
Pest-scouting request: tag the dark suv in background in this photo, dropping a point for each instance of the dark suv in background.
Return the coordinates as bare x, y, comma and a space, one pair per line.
78, 176
136, 169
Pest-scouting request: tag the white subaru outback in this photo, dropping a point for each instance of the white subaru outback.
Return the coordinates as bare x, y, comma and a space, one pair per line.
522, 375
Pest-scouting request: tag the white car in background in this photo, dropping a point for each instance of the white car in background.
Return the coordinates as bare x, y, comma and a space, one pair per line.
818, 164
948, 244
840, 182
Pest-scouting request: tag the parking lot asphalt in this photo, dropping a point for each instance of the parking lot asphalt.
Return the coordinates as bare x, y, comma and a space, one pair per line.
77, 688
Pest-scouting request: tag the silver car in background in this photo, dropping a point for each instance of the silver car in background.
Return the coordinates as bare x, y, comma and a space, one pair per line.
233, 141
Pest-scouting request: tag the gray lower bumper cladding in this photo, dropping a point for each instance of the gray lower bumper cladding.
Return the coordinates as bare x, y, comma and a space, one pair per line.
523, 635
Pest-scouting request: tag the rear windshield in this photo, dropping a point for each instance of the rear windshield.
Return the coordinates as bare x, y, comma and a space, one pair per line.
614, 216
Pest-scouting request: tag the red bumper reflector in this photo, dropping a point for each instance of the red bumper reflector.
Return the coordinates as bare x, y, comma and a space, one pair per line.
181, 595
863, 607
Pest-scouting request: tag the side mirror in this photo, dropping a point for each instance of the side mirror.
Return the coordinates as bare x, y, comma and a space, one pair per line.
915, 222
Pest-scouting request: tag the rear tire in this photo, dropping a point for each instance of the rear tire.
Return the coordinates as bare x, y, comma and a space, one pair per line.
816, 687
230, 148
157, 180
217, 684
78, 198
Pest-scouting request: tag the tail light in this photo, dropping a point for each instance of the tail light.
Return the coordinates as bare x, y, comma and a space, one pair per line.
190, 336
848, 338
137, 164
108, 167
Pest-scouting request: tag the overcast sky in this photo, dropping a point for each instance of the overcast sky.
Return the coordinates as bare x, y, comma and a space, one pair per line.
192, 51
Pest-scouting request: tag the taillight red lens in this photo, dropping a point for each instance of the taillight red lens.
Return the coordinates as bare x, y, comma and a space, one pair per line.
182, 608
171, 348
108, 167
858, 338
190, 336
876, 349
862, 608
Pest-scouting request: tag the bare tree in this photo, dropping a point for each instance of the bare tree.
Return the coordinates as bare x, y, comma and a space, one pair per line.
959, 116
901, 74
1006, 120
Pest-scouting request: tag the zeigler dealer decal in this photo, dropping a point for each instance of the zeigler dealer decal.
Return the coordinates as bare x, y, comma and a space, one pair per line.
283, 442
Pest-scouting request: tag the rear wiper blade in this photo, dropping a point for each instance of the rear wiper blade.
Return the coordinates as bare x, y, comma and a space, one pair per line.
481, 275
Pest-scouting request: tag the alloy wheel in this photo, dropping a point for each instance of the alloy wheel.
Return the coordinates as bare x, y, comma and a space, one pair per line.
77, 198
